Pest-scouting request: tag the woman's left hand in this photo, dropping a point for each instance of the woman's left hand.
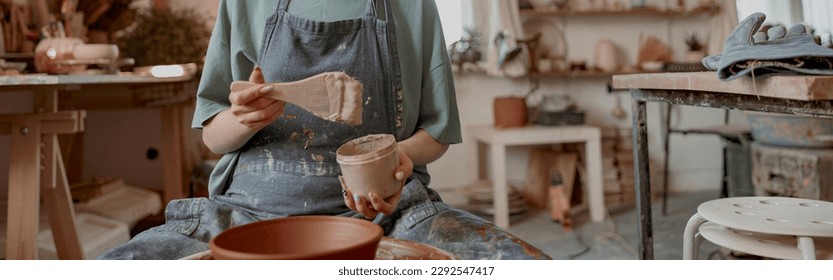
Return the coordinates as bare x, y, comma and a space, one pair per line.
376, 204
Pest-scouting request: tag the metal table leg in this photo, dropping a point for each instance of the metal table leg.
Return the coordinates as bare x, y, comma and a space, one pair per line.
642, 179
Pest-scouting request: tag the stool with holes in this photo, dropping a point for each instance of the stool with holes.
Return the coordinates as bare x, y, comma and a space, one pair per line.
772, 227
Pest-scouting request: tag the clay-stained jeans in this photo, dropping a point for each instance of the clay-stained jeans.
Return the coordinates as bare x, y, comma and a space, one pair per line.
420, 216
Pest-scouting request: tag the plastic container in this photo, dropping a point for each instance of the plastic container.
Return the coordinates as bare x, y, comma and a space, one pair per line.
368, 164
96, 234
126, 204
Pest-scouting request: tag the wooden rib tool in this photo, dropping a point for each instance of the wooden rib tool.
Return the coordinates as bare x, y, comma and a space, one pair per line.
332, 96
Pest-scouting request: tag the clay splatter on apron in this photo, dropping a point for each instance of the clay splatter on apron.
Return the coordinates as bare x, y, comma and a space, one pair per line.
309, 134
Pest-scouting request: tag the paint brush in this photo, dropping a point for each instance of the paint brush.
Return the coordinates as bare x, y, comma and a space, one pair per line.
333, 96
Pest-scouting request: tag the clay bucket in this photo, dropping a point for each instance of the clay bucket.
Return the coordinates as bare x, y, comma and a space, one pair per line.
368, 165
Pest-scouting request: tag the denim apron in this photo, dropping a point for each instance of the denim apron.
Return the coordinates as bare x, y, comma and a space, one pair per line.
289, 167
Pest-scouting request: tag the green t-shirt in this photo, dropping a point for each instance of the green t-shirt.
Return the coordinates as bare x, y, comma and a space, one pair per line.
429, 98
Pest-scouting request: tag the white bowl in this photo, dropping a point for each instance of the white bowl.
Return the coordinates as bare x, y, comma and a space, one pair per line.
95, 51
652, 66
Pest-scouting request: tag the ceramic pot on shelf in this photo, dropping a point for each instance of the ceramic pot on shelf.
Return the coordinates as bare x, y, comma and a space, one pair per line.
510, 111
605, 56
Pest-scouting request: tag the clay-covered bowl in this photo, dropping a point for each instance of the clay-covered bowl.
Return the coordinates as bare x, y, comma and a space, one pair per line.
299, 238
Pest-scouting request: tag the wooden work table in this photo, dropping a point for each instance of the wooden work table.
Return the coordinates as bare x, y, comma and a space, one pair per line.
36, 166
788, 94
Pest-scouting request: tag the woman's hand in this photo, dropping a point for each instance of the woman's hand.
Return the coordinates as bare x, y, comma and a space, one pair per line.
250, 111
251, 107
376, 203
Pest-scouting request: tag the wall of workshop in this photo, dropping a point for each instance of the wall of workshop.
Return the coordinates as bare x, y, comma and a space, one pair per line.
116, 143
695, 162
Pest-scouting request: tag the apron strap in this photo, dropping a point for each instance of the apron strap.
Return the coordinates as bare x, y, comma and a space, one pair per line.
371, 10
389, 14
283, 5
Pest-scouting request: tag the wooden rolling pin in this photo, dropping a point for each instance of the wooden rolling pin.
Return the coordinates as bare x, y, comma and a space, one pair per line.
333, 96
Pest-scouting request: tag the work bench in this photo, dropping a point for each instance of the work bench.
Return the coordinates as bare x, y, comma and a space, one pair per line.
36, 165
787, 94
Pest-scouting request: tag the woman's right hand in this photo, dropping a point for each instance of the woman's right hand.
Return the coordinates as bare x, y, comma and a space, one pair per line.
250, 111
251, 107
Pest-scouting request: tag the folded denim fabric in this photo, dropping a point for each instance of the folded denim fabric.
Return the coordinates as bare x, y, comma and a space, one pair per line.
795, 52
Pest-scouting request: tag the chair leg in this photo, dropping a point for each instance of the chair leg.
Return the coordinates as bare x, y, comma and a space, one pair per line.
691, 229
695, 250
808, 249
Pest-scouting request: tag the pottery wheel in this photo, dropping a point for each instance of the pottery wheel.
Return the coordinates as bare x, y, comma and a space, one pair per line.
389, 249
400, 249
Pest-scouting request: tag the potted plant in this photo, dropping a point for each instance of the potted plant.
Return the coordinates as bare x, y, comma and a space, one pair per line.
695, 51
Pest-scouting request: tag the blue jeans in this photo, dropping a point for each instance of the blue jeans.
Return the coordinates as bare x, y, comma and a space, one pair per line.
420, 216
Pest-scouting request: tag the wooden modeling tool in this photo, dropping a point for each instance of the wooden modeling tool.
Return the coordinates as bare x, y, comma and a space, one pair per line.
333, 96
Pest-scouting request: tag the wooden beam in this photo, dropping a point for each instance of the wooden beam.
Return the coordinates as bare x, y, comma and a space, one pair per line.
24, 191
58, 201
50, 123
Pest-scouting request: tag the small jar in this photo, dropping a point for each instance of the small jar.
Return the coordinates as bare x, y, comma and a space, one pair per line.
368, 164
51, 53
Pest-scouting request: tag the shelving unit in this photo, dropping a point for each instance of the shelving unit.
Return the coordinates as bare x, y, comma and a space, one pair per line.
621, 184
563, 15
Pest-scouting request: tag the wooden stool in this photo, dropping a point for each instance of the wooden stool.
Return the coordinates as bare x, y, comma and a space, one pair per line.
774, 227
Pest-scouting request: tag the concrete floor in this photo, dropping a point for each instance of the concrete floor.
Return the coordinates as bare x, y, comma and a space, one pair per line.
614, 239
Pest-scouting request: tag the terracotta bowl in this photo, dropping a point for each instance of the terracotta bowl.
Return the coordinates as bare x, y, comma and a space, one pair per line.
299, 238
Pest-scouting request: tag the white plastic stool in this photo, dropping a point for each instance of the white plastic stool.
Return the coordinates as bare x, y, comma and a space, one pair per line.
774, 227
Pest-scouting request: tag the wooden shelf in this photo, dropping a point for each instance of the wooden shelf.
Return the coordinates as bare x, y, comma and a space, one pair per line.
631, 12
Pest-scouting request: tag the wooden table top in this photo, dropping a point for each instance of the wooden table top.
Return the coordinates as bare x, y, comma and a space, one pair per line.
796, 87
57, 80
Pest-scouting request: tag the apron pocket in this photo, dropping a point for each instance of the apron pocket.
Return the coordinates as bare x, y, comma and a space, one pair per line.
182, 216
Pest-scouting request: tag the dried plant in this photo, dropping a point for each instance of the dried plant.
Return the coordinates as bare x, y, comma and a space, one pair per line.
162, 37
693, 42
